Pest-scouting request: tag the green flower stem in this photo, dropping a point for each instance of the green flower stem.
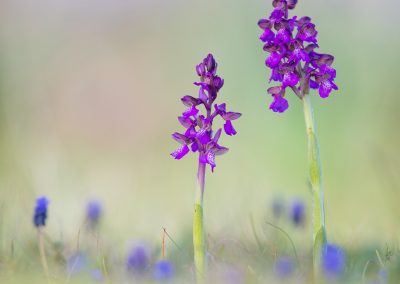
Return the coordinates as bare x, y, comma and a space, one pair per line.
199, 238
319, 232
43, 253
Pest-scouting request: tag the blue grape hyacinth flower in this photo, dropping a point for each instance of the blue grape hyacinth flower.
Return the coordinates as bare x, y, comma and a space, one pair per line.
333, 261
40, 212
284, 267
163, 270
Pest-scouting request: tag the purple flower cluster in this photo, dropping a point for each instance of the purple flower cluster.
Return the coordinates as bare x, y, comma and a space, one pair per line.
291, 45
199, 135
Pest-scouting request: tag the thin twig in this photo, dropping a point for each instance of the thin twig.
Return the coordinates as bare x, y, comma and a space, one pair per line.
260, 246
289, 238
365, 270
43, 253
172, 240
163, 243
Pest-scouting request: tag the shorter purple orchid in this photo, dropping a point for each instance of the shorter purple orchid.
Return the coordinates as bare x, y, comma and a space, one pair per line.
199, 135
290, 43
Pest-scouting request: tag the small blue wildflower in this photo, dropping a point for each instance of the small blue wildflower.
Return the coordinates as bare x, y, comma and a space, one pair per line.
138, 259
284, 267
97, 275
93, 211
40, 213
383, 275
278, 207
333, 261
233, 275
163, 270
297, 213
76, 263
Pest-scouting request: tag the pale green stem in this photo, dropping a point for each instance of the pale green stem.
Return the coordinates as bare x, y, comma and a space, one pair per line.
319, 231
199, 237
43, 253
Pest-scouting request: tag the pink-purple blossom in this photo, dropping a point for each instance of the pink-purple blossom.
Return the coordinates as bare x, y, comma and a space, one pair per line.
199, 135
291, 44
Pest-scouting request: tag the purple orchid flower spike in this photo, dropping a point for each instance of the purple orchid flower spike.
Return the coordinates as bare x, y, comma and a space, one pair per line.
199, 135
290, 43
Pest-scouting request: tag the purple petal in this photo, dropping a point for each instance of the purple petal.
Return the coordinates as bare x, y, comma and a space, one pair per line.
283, 36
273, 60
230, 115
325, 88
313, 85
271, 47
326, 69
202, 94
277, 14
318, 59
218, 82
228, 127
279, 104
204, 136
304, 20
210, 63
190, 132
220, 108
275, 90
290, 79
200, 69
194, 147
192, 111
211, 160
190, 101
307, 32
217, 135
267, 35
180, 138
291, 4
185, 121
276, 76
180, 152
219, 150
264, 24
299, 54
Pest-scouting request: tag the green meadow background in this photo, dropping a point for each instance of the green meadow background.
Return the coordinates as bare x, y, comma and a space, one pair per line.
89, 96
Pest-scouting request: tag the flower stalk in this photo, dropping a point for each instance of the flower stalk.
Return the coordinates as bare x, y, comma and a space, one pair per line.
315, 175
199, 236
42, 253
39, 221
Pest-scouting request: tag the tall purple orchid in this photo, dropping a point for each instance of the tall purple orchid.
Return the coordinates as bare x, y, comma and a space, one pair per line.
200, 138
291, 44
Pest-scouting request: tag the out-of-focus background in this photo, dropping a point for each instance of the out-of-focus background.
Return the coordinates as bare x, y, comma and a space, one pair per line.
89, 96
